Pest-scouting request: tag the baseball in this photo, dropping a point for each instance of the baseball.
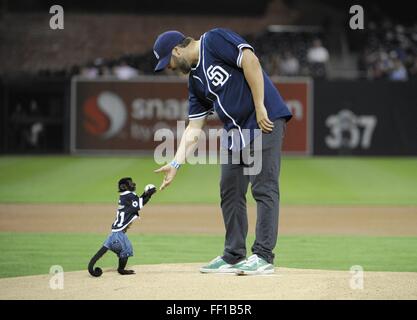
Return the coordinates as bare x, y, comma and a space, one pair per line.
149, 186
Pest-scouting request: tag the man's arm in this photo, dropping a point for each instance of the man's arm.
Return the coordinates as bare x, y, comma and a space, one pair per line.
189, 139
188, 142
253, 73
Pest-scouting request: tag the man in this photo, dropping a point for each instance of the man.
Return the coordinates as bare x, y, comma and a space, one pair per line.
225, 76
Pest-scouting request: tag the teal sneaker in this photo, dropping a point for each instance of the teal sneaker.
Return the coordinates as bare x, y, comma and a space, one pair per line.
254, 265
218, 265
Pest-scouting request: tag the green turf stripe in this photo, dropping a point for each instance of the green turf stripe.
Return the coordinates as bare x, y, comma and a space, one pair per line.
318, 180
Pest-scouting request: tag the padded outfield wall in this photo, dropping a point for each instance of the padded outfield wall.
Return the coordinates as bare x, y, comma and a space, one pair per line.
330, 117
111, 116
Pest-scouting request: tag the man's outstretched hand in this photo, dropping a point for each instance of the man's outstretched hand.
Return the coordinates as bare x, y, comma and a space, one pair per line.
169, 172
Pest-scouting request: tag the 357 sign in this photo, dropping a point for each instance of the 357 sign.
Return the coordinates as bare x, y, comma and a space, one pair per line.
364, 118
348, 130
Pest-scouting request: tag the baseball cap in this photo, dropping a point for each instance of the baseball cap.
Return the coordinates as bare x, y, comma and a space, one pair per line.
163, 47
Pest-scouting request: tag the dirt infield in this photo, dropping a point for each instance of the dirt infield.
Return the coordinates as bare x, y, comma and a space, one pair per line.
183, 281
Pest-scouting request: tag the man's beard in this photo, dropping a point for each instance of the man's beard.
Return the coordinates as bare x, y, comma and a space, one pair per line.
182, 65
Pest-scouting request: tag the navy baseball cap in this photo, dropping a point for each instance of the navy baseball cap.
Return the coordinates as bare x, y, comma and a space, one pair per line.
163, 47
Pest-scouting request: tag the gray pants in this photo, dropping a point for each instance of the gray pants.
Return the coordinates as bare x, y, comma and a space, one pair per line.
265, 190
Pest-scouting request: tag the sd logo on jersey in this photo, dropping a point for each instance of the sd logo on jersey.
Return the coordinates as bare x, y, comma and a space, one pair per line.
217, 75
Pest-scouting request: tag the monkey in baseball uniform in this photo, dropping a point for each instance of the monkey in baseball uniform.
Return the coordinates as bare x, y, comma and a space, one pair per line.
128, 211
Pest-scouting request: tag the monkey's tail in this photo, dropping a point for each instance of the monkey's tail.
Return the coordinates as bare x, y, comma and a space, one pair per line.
96, 272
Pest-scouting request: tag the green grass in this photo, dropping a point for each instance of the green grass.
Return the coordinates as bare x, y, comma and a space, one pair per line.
304, 181
31, 253
317, 181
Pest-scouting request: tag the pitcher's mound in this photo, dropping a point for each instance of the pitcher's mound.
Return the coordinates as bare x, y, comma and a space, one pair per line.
184, 281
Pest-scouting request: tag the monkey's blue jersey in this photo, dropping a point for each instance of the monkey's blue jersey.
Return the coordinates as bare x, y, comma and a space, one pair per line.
217, 83
128, 210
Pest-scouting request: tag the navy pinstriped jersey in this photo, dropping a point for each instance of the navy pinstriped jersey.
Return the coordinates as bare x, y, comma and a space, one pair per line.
128, 210
217, 83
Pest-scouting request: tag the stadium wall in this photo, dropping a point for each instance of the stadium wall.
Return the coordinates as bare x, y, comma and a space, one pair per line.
124, 116
359, 118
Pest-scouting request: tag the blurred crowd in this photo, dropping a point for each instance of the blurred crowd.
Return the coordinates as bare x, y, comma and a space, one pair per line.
125, 67
122, 69
387, 51
299, 61
281, 54
390, 51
